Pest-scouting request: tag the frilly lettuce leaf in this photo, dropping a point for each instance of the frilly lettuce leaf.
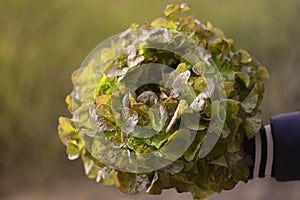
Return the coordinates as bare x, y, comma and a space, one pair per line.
157, 111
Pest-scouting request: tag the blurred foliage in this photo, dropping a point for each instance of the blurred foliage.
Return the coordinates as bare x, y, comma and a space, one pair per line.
42, 42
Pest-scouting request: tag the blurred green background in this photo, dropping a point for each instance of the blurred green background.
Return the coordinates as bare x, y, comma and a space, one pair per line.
43, 42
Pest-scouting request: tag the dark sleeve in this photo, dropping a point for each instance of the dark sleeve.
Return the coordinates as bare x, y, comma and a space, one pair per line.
286, 136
